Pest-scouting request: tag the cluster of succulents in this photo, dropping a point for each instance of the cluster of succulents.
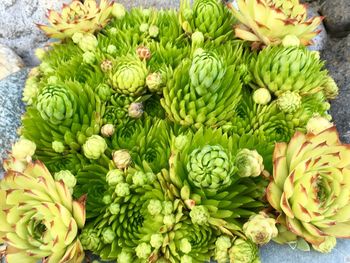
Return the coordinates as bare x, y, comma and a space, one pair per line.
175, 136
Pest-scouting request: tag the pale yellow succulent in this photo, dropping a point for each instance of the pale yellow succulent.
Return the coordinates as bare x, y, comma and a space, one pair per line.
269, 22
78, 17
38, 218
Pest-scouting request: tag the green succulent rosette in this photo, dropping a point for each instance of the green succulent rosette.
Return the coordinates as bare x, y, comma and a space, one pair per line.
129, 76
83, 121
203, 175
294, 69
147, 141
211, 17
202, 92
125, 218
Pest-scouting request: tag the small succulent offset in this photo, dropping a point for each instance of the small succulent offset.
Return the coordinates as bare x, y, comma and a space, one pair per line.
167, 122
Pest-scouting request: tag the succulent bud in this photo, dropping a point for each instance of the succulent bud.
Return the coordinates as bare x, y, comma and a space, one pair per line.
77, 37
249, 163
197, 39
114, 177
94, 147
113, 31
118, 11
88, 42
244, 251
40, 53
114, 209
169, 220
327, 245
107, 130
143, 250
331, 89
108, 235
106, 65
14, 165
289, 102
291, 41
104, 91
58, 147
139, 178
318, 124
154, 207
135, 110
153, 31
199, 215
23, 150
223, 243
144, 53
122, 159
185, 246
89, 57
167, 208
30, 90
107, 199
154, 82
144, 27
122, 189
67, 177
89, 239
180, 142
156, 240
260, 229
125, 257
111, 49
262, 96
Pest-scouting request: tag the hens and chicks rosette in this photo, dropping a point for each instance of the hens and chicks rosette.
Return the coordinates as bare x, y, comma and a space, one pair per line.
176, 136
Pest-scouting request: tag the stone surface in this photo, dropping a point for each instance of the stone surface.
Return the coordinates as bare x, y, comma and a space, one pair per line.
10, 62
11, 109
337, 56
321, 39
17, 25
337, 13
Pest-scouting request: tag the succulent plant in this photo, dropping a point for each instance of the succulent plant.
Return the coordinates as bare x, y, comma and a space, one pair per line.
244, 251
78, 17
129, 77
124, 220
39, 219
260, 228
209, 167
147, 141
309, 172
211, 17
326, 246
249, 163
206, 93
56, 104
282, 69
72, 116
220, 207
269, 22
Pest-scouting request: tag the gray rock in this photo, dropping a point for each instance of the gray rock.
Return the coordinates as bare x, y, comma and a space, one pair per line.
10, 62
321, 39
11, 109
337, 55
337, 13
151, 3
18, 28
